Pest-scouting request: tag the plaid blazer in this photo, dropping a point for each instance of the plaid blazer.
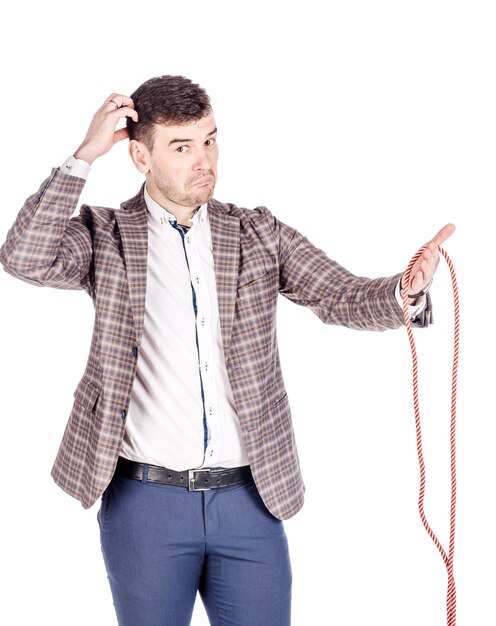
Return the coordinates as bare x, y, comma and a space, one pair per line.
256, 257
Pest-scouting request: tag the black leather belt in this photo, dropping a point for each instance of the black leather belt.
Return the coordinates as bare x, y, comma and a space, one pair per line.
195, 480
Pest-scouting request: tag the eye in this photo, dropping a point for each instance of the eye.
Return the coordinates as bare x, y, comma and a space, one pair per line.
182, 149
210, 142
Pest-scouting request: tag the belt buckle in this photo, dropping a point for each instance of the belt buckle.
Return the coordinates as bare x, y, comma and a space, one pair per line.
192, 479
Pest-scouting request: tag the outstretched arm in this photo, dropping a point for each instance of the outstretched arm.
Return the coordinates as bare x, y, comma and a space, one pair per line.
310, 278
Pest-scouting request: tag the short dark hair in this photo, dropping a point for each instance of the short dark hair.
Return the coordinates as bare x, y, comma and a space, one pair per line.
168, 100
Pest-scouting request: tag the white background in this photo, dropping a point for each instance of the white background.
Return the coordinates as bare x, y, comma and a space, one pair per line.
366, 126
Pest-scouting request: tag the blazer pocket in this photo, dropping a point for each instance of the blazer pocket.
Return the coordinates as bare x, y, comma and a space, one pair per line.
250, 274
276, 424
87, 394
283, 398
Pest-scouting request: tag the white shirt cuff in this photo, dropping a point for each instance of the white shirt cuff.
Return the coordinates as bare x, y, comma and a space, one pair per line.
414, 310
75, 167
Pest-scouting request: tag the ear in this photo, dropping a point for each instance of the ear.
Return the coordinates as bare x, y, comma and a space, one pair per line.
140, 156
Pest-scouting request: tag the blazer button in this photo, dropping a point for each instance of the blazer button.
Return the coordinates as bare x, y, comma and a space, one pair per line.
123, 414
134, 351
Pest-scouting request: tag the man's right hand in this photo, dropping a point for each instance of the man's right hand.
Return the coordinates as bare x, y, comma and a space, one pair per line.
101, 135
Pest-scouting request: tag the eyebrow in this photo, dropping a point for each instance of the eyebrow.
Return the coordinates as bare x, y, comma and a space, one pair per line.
212, 132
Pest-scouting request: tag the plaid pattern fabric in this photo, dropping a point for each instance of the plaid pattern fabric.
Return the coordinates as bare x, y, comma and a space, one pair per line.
256, 257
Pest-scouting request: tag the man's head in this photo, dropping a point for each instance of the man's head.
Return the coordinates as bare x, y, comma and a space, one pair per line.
174, 141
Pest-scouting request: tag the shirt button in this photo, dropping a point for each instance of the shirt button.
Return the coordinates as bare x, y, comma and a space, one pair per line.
210, 411
134, 351
123, 414
206, 366
203, 321
197, 278
187, 239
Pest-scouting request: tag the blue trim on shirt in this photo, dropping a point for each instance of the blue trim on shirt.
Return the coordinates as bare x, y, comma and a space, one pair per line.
182, 230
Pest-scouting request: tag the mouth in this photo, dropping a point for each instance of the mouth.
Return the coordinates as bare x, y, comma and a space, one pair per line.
206, 180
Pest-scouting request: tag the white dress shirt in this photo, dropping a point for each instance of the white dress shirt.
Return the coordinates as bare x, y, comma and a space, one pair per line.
181, 413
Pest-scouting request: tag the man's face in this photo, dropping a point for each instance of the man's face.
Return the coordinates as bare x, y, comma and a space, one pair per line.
183, 164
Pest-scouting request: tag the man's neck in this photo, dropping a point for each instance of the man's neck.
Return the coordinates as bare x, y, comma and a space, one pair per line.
182, 214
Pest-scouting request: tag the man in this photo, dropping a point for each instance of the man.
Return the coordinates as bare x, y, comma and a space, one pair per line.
183, 372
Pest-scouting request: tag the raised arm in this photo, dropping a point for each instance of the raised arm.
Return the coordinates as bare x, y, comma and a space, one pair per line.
45, 246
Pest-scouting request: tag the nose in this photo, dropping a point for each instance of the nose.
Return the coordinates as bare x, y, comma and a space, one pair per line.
203, 161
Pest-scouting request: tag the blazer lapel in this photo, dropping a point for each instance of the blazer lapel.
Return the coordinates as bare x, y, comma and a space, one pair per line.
133, 227
225, 244
225, 231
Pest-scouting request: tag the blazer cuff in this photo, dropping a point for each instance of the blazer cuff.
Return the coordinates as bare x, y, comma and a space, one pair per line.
425, 317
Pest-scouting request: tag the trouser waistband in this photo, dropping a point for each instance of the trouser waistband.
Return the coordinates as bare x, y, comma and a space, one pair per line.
202, 479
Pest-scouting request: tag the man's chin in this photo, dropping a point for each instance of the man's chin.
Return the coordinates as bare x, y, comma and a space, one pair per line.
201, 196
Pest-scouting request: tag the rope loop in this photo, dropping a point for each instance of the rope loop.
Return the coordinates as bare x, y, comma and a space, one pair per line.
447, 557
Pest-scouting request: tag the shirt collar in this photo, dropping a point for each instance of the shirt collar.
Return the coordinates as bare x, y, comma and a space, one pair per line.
162, 216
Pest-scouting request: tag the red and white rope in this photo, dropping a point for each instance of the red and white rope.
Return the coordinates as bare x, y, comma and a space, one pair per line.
447, 557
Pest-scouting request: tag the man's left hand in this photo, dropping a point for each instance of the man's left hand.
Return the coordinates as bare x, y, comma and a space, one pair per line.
426, 265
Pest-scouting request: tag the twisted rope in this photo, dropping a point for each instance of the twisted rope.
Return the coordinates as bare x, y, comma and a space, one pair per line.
447, 558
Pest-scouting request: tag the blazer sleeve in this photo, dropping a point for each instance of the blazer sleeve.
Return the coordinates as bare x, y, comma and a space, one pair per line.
45, 246
308, 277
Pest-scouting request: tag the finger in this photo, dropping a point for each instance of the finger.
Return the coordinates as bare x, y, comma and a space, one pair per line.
428, 270
428, 259
108, 100
417, 282
125, 112
443, 234
118, 100
434, 260
422, 272
431, 257
121, 134
111, 105
126, 101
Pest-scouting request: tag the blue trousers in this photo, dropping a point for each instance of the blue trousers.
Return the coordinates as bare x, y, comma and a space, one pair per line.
162, 543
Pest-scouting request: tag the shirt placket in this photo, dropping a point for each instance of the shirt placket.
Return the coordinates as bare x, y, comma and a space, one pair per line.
195, 245
202, 308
